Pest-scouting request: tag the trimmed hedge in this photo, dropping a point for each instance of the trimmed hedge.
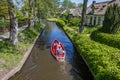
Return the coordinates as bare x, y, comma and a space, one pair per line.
60, 23
104, 60
74, 22
89, 30
108, 39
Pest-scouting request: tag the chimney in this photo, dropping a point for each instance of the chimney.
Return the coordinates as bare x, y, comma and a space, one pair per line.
93, 7
94, 2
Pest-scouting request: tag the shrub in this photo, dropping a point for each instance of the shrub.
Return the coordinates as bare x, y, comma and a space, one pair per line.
108, 39
89, 30
74, 21
5, 23
60, 23
64, 15
76, 28
111, 21
104, 60
22, 18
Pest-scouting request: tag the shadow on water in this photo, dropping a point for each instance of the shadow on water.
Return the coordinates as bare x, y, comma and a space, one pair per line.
41, 65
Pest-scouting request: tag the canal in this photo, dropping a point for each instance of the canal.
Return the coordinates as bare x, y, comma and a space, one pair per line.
41, 65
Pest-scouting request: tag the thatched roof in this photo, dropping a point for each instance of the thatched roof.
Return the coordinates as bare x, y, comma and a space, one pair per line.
99, 8
76, 12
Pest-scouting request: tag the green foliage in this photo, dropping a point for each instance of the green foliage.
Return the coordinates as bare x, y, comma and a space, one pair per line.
12, 55
80, 5
111, 22
89, 30
76, 28
108, 39
20, 16
4, 24
3, 8
103, 60
9, 53
60, 23
68, 4
74, 22
64, 17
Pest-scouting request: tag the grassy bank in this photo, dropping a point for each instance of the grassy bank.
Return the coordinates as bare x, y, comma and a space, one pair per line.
103, 60
10, 56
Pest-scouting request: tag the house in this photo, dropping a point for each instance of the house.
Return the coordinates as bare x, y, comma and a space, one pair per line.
96, 11
75, 12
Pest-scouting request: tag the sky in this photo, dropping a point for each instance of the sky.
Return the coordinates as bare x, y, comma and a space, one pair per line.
89, 1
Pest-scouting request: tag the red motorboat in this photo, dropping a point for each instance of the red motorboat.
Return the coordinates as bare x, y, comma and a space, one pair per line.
58, 50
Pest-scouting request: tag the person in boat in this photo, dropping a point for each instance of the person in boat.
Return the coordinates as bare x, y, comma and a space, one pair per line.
59, 49
55, 44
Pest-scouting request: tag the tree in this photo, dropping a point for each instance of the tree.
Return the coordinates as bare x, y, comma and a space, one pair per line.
13, 23
81, 28
46, 8
80, 5
68, 4
3, 8
41, 8
71, 4
30, 20
65, 3
111, 23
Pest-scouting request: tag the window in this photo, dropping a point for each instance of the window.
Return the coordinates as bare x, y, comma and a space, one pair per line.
104, 6
99, 20
90, 20
94, 20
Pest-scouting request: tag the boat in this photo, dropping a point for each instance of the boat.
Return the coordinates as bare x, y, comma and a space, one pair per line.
54, 50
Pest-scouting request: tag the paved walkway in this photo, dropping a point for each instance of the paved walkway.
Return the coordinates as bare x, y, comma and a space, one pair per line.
6, 35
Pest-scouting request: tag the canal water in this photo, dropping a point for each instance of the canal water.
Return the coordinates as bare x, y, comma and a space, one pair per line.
41, 65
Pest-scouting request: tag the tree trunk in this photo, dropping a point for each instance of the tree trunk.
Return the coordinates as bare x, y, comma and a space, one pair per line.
13, 23
38, 12
81, 28
30, 20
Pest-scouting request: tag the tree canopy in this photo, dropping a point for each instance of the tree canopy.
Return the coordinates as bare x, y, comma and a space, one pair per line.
3, 8
68, 4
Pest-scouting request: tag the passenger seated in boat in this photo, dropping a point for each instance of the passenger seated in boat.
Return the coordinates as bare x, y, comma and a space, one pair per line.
55, 44
59, 50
